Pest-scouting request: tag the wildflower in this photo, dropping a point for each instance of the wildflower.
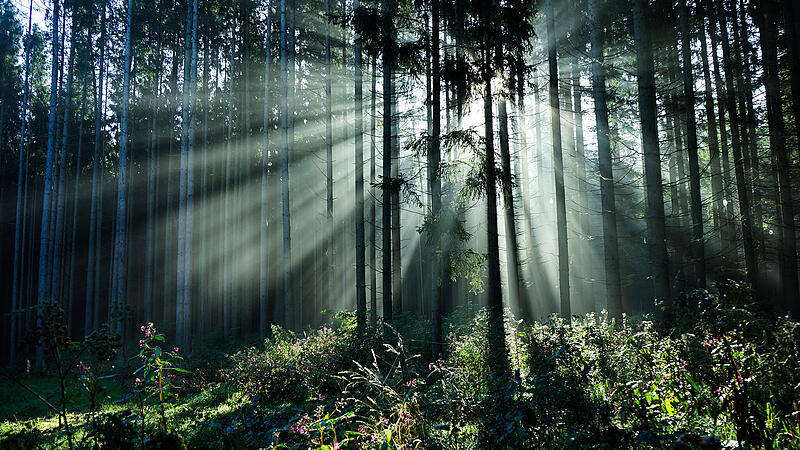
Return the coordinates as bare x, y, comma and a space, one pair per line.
81, 368
176, 396
718, 390
336, 446
137, 381
175, 350
320, 397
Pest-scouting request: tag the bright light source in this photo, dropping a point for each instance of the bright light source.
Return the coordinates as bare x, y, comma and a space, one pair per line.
725, 202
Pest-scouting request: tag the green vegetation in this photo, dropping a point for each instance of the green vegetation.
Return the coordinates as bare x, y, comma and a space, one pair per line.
719, 371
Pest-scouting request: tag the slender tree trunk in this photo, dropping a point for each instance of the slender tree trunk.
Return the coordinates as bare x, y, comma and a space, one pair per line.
397, 266
329, 251
435, 187
287, 237
717, 193
558, 162
696, 207
361, 282
387, 182
18, 227
120, 253
767, 23
607, 199
496, 336
738, 162
656, 230
580, 182
45, 236
263, 266
373, 299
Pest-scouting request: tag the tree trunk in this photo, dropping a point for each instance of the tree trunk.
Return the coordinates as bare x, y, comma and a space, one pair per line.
43, 293
558, 169
696, 207
435, 187
287, 237
609, 211
361, 293
263, 266
387, 182
656, 230
717, 193
738, 162
18, 227
767, 23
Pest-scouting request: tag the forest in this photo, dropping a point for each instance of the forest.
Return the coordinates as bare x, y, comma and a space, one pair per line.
441, 224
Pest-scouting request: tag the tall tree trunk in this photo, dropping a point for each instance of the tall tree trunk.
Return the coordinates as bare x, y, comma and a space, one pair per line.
738, 162
94, 218
609, 210
496, 336
287, 237
120, 240
558, 162
717, 192
435, 187
387, 182
43, 293
55, 282
329, 247
656, 230
696, 207
262, 226
18, 227
361, 282
584, 232
767, 23
373, 277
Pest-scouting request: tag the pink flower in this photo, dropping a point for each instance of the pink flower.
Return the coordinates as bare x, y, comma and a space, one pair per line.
176, 396
175, 350
336, 446
320, 397
137, 381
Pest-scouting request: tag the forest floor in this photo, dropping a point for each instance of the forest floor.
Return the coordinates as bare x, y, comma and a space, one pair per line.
722, 371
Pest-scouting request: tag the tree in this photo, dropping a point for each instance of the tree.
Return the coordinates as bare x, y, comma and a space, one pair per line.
558, 165
767, 23
656, 231
361, 294
287, 236
696, 206
46, 236
609, 213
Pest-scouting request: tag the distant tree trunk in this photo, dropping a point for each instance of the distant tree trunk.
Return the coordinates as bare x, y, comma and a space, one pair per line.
767, 24
397, 266
94, 230
361, 282
580, 182
287, 237
329, 253
55, 282
717, 192
527, 311
738, 162
45, 236
497, 350
558, 162
228, 208
75, 191
373, 277
609, 211
729, 251
180, 324
752, 151
512, 246
696, 207
120, 241
435, 187
263, 266
387, 182
656, 230
18, 227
